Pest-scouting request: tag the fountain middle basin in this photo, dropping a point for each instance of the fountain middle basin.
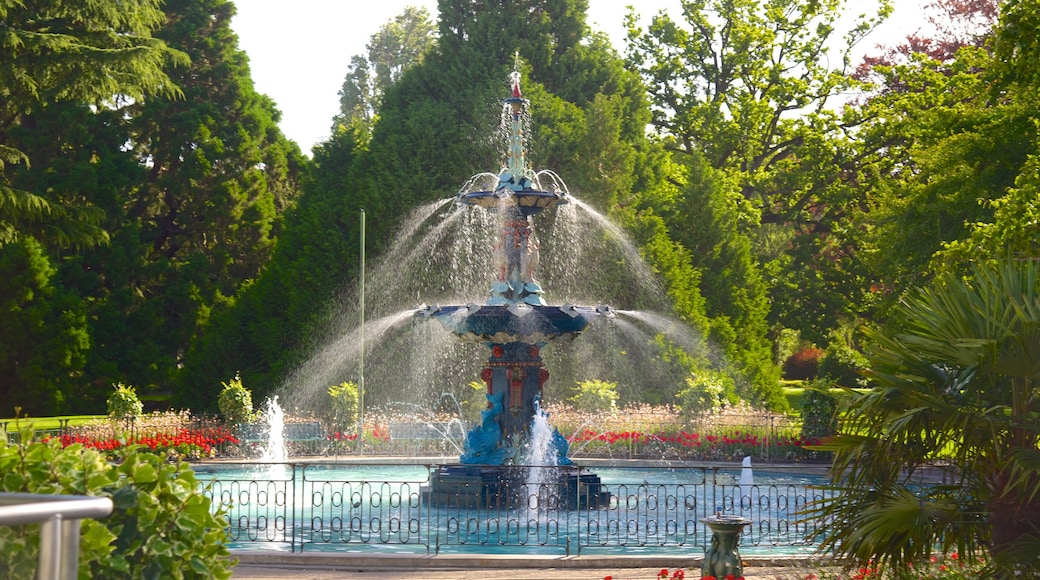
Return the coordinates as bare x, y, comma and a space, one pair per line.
523, 323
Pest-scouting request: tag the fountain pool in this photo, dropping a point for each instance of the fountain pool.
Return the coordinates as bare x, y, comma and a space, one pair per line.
378, 509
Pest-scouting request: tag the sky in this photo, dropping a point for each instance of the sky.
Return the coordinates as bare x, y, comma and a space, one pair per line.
299, 56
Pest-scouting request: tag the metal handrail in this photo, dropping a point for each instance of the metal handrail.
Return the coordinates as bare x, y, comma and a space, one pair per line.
59, 518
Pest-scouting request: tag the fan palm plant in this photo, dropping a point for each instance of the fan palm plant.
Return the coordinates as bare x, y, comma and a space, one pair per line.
957, 390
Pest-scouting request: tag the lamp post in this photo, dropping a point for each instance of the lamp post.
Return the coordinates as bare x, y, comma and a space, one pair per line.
361, 365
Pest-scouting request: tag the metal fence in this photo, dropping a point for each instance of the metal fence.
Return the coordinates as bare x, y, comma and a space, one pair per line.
381, 509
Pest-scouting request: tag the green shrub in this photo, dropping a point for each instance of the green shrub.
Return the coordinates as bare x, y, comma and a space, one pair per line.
236, 402
161, 525
595, 396
344, 404
474, 401
706, 390
819, 410
843, 364
123, 402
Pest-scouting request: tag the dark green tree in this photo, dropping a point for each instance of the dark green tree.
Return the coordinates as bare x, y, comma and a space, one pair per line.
201, 220
70, 72
44, 340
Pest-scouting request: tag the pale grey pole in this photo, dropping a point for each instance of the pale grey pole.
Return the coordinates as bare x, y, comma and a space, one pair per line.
361, 369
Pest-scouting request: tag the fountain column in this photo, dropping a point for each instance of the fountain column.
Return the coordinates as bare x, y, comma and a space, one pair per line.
515, 324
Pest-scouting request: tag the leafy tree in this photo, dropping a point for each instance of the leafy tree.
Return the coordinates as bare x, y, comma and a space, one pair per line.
742, 93
957, 389
101, 54
747, 85
955, 133
399, 44
201, 220
1005, 223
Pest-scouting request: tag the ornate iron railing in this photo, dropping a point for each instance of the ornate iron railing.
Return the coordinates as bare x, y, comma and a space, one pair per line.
380, 508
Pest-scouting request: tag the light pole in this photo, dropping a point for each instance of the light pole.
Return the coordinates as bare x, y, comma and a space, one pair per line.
361, 365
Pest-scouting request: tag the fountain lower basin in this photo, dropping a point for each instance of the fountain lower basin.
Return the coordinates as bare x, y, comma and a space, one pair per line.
506, 487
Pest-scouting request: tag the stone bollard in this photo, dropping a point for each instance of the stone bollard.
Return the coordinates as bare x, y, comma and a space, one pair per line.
722, 559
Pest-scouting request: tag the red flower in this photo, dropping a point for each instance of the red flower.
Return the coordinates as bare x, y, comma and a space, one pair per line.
663, 573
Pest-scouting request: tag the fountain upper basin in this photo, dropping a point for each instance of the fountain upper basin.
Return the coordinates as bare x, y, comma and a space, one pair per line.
515, 322
527, 201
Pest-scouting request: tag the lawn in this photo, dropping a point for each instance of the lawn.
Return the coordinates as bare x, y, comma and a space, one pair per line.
49, 423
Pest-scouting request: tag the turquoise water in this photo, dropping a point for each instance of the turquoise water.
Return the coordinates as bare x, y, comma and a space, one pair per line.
378, 509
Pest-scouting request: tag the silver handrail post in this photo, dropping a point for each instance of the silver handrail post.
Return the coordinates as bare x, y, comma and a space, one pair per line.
59, 518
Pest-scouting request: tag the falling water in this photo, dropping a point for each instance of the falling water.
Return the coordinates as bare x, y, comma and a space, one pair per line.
442, 255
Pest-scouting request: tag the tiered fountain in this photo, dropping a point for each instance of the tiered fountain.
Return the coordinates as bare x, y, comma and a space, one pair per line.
515, 323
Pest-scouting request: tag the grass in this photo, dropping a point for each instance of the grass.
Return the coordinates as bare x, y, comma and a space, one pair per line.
795, 390
46, 423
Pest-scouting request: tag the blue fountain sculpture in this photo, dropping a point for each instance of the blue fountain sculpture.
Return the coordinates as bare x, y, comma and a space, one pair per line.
515, 324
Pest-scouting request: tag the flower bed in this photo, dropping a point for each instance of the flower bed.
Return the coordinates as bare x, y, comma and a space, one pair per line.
171, 434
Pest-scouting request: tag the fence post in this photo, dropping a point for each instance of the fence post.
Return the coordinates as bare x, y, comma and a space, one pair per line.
769, 440
291, 498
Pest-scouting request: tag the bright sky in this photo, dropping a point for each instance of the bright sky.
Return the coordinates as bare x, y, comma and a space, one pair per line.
299, 56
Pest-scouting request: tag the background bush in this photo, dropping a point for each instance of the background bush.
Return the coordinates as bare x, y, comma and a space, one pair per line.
344, 404
123, 402
803, 364
819, 410
236, 402
705, 392
843, 364
595, 396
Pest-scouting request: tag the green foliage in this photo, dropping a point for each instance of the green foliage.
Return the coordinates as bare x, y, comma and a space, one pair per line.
161, 526
123, 402
474, 402
595, 396
98, 53
398, 45
819, 410
344, 404
44, 337
843, 364
705, 392
235, 402
956, 386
